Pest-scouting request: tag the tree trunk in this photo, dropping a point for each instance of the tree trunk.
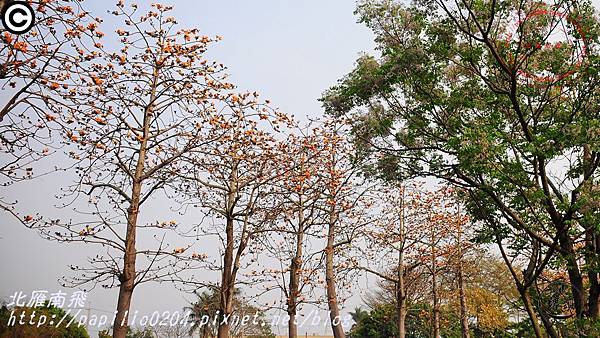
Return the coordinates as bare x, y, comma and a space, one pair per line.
402, 319
464, 316
436, 307
575, 277
128, 275
594, 292
125, 293
223, 331
293, 294
550, 331
294, 288
292, 325
531, 313
401, 285
227, 282
332, 300
592, 243
434, 287
401, 299
521, 286
226, 296
294, 285
594, 297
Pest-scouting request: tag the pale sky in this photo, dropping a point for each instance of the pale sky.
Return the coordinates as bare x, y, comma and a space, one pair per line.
289, 51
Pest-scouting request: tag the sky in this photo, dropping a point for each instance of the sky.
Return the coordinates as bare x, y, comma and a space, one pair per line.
288, 50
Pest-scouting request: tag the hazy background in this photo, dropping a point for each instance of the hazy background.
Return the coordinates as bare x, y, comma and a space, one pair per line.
289, 51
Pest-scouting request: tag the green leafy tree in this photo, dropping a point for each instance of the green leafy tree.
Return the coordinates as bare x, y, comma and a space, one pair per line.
480, 95
381, 321
10, 329
378, 323
139, 333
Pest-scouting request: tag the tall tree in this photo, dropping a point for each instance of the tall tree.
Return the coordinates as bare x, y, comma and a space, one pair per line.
300, 227
231, 182
436, 247
393, 243
459, 249
343, 200
132, 122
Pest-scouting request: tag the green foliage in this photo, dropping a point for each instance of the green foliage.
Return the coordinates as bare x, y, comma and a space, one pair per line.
139, 333
33, 331
378, 323
381, 322
131, 333
427, 110
418, 323
587, 328
104, 334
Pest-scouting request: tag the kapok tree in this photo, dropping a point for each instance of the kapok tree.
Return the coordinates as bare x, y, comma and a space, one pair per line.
32, 65
143, 109
461, 233
456, 248
231, 182
437, 246
393, 242
300, 225
344, 201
